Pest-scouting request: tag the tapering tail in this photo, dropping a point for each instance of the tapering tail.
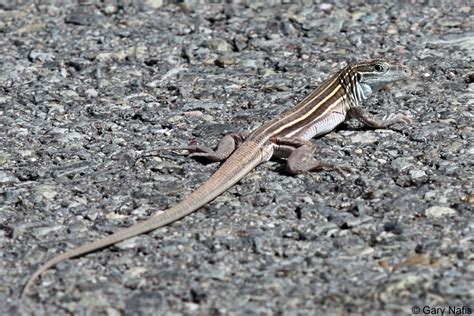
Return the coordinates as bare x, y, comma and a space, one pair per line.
241, 162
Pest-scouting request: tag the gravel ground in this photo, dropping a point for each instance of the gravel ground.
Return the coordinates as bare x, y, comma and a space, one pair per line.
85, 91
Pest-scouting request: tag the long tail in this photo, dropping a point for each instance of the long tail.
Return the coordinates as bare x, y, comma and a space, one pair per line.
241, 162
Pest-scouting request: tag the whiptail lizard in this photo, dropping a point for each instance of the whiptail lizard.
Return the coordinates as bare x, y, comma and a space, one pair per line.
285, 136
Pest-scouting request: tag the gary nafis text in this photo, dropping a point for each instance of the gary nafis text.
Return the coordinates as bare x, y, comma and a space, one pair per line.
448, 310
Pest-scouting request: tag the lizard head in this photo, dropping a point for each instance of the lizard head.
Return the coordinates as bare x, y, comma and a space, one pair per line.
373, 75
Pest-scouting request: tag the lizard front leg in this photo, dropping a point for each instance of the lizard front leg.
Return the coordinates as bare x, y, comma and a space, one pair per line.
300, 156
374, 122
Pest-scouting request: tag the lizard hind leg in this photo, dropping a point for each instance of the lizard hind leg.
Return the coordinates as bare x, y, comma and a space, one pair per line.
225, 148
300, 156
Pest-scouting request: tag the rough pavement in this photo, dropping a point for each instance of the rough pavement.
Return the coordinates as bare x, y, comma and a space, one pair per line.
85, 91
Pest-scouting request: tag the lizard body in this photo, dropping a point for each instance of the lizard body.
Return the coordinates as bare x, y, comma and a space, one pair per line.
285, 136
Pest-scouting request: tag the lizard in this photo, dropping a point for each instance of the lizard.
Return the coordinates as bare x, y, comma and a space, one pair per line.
287, 136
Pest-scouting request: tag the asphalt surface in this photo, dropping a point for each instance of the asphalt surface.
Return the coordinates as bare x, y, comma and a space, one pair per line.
88, 93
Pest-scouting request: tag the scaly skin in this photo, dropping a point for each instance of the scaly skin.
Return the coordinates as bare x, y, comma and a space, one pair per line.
285, 136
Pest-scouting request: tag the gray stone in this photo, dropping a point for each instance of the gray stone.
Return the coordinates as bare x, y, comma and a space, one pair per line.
90, 91
439, 211
401, 164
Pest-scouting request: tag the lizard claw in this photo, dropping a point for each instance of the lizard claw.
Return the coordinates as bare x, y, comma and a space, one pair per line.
343, 170
392, 119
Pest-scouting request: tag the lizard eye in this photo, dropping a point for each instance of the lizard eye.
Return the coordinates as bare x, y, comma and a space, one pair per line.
379, 67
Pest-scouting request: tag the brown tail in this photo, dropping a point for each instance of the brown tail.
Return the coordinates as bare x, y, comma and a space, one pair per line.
242, 161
